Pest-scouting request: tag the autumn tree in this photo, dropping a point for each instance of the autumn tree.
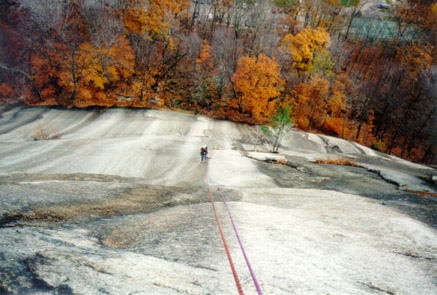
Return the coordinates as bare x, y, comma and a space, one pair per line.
151, 26
256, 84
106, 55
54, 32
310, 102
105, 68
334, 123
151, 17
301, 48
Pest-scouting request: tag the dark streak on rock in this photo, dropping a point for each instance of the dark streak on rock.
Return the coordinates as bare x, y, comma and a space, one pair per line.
411, 255
377, 172
7, 219
376, 288
38, 284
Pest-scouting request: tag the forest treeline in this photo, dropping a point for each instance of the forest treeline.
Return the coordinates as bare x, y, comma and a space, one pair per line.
236, 60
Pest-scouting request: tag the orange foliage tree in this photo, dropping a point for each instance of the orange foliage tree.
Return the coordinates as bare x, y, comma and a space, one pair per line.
335, 123
310, 102
256, 83
320, 105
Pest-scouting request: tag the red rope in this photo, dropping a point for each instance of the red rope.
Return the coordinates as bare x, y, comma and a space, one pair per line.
255, 281
228, 253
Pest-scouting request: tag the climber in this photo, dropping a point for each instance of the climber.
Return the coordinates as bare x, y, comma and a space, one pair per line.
203, 153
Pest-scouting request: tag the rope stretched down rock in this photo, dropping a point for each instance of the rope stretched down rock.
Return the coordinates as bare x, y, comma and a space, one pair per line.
234, 272
255, 281
228, 253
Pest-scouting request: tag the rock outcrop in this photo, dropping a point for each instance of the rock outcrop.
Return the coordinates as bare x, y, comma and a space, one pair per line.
117, 203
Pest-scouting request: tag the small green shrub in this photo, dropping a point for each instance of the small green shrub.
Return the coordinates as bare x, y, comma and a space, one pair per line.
378, 145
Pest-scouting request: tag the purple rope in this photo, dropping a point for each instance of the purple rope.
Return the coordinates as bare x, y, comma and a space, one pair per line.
241, 246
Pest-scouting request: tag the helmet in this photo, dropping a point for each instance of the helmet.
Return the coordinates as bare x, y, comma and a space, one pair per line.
203, 146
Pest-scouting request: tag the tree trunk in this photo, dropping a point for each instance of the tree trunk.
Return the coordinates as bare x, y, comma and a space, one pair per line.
277, 140
344, 125
359, 130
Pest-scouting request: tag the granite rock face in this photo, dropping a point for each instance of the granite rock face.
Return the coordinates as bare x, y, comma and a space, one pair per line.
117, 203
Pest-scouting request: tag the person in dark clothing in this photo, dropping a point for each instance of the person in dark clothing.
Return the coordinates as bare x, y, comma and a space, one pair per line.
203, 153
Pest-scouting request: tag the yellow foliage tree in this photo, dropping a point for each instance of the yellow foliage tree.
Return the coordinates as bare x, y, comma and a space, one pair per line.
256, 83
152, 16
105, 66
302, 47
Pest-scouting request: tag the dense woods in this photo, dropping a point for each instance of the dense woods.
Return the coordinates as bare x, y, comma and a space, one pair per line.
348, 68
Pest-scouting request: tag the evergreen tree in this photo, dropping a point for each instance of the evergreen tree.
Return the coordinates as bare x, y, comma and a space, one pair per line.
281, 124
